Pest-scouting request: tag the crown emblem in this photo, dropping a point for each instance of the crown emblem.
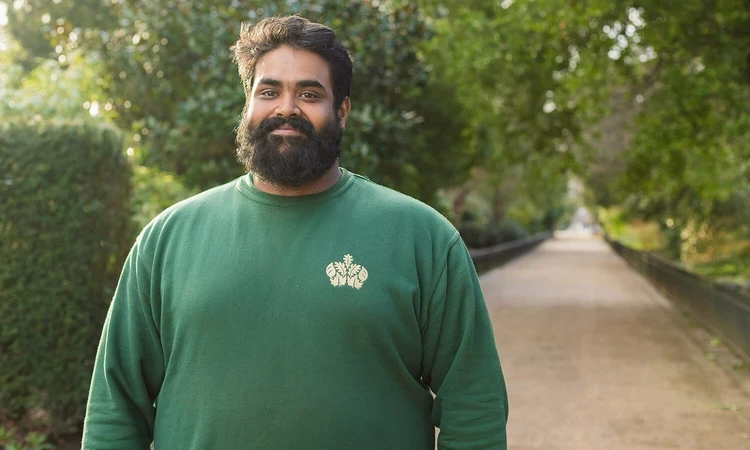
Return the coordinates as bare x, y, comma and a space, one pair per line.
346, 273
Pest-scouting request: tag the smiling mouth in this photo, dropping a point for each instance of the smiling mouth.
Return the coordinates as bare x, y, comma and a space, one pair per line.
286, 131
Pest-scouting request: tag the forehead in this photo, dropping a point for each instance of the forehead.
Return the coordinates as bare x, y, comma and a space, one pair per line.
289, 65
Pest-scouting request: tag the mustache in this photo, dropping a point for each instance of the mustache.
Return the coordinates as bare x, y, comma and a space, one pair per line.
298, 123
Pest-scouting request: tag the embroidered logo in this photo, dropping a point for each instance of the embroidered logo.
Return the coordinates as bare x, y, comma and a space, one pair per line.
346, 273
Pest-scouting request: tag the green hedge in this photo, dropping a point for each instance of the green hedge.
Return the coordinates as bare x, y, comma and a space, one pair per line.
476, 235
64, 233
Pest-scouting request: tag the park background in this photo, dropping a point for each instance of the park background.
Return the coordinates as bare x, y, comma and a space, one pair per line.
507, 116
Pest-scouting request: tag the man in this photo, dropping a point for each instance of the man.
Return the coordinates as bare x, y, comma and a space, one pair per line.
301, 305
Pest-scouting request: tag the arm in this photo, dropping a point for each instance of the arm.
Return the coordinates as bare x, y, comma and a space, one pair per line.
460, 360
129, 366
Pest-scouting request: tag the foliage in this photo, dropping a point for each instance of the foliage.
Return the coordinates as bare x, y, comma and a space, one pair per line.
710, 252
527, 90
426, 90
73, 89
153, 192
476, 235
518, 196
9, 440
635, 234
78, 96
496, 85
732, 269
493, 104
64, 233
168, 71
687, 87
49, 90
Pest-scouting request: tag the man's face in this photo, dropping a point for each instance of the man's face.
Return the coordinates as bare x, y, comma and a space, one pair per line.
290, 133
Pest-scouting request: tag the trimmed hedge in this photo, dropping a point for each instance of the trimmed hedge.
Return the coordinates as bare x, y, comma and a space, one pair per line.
64, 234
481, 236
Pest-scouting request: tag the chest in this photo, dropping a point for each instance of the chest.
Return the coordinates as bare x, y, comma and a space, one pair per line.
322, 291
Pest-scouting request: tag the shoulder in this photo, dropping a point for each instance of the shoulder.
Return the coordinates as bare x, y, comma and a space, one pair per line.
386, 205
187, 213
387, 199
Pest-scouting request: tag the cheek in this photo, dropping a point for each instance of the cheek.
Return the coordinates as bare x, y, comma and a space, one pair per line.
257, 111
319, 118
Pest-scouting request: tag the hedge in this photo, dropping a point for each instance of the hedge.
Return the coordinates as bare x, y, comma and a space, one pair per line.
476, 235
64, 234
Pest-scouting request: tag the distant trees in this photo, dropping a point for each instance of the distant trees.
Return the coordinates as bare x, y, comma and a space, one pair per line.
686, 86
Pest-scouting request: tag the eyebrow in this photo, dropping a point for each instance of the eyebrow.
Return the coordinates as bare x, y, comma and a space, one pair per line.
310, 84
300, 83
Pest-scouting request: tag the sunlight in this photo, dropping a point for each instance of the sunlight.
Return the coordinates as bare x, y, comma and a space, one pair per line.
3, 14
3, 22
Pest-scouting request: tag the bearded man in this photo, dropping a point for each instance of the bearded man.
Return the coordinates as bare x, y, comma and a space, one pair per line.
301, 305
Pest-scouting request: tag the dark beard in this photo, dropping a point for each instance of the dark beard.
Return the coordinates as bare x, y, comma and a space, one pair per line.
288, 161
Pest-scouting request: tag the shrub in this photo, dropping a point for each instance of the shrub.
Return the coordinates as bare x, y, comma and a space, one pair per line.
9, 440
64, 234
476, 235
153, 192
509, 230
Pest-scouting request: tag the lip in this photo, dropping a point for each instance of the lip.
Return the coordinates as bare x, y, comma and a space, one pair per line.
286, 130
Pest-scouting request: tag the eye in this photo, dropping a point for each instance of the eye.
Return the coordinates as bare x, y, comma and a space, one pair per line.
268, 94
308, 95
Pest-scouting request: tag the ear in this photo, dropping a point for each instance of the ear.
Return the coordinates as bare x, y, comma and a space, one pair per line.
343, 112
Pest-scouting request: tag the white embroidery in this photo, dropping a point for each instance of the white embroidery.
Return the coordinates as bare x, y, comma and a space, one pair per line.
346, 273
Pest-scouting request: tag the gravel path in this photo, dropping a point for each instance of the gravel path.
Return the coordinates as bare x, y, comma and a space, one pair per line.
595, 358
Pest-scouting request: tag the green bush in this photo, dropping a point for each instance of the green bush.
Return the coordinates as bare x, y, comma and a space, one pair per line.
509, 230
64, 233
9, 440
153, 192
476, 235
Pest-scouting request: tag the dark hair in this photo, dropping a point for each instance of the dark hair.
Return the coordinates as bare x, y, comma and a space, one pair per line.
300, 34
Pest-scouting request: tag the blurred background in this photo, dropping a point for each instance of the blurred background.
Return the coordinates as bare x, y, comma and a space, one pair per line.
510, 117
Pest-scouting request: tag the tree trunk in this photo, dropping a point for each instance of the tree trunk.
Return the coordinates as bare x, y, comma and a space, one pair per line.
459, 201
499, 204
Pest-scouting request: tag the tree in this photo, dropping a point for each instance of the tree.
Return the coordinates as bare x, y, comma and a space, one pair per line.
168, 69
686, 165
528, 90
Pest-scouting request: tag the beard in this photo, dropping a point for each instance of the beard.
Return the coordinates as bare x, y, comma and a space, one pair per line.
288, 161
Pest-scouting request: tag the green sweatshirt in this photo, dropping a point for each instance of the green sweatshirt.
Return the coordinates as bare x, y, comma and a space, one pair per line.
244, 320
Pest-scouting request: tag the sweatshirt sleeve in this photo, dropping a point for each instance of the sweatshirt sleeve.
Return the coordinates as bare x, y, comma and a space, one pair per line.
460, 359
129, 366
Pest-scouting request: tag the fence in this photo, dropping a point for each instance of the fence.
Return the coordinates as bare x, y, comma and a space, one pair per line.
500, 254
723, 309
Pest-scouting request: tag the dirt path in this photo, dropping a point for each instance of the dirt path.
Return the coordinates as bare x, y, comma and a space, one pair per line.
596, 359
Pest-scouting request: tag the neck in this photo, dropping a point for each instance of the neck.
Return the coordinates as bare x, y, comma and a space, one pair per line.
321, 184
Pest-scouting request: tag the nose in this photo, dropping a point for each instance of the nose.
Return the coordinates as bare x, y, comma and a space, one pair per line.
287, 106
